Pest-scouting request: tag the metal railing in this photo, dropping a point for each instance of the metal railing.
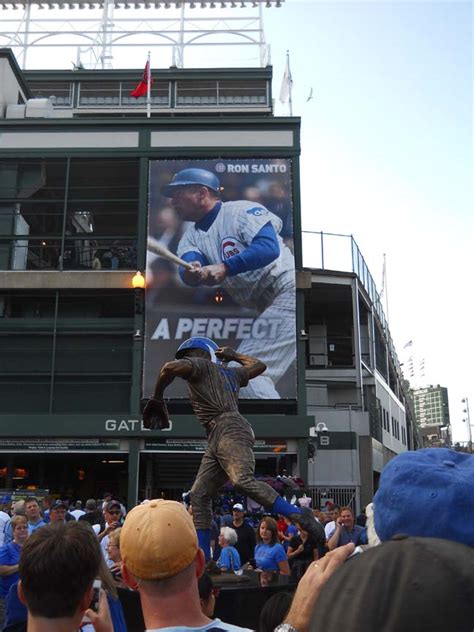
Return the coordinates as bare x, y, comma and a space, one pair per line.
332, 251
340, 496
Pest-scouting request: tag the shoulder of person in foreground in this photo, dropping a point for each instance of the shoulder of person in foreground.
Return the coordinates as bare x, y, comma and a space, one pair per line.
216, 625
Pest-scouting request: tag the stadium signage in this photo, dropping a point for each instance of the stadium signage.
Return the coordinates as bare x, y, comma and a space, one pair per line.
238, 168
245, 220
128, 425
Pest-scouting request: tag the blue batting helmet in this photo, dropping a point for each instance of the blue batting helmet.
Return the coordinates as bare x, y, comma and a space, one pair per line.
187, 177
206, 344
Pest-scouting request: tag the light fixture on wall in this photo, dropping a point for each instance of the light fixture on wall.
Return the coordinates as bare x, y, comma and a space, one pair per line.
138, 281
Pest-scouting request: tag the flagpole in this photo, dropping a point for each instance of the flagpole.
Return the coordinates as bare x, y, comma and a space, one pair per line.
290, 82
385, 287
148, 89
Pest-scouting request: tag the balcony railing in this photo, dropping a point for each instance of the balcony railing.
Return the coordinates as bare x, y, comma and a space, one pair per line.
330, 251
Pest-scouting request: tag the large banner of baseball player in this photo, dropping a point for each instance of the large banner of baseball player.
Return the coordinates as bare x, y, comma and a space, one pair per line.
220, 264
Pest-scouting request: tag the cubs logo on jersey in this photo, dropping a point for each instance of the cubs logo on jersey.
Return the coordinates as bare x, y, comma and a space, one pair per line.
230, 247
257, 211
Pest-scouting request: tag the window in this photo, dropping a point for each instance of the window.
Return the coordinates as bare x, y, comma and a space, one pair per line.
62, 91
159, 94
89, 223
106, 94
189, 93
238, 92
70, 351
228, 92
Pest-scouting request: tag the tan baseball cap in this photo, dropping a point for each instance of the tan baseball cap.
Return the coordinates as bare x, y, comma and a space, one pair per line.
158, 539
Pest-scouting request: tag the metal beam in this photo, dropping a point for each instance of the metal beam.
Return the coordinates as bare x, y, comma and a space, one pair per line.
104, 26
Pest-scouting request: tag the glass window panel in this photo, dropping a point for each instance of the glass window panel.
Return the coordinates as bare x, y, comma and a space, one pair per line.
337, 253
12, 395
242, 87
312, 250
30, 254
104, 304
32, 218
43, 254
62, 90
93, 353
101, 179
99, 254
88, 395
196, 92
96, 218
25, 305
103, 93
33, 178
26, 353
160, 92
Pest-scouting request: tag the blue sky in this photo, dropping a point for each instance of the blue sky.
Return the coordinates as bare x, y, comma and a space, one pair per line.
386, 153
387, 157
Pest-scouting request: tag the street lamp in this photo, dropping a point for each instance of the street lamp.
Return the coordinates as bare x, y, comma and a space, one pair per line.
465, 401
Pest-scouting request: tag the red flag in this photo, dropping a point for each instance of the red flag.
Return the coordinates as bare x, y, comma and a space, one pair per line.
142, 89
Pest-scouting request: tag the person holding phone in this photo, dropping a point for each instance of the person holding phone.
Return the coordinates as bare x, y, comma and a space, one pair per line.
347, 531
112, 515
58, 567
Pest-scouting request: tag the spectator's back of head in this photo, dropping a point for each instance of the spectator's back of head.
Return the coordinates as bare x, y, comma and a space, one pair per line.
207, 594
405, 585
58, 564
427, 493
274, 611
18, 508
91, 505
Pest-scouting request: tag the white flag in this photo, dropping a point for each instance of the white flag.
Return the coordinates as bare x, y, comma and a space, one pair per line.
287, 83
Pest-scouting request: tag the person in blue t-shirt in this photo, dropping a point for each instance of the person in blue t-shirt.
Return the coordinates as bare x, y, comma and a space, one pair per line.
10, 554
347, 531
229, 559
269, 554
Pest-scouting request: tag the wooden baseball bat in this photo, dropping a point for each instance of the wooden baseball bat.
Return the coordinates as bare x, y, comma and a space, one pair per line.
159, 249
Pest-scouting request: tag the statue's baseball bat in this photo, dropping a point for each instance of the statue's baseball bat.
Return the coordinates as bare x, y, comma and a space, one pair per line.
159, 249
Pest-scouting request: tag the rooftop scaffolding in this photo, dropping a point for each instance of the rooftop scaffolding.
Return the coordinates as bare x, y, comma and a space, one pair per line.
96, 34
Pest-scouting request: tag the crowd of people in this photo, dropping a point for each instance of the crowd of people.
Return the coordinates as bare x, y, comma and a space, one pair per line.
411, 567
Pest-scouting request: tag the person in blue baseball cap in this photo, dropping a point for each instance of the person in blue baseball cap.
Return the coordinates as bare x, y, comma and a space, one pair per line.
192, 177
427, 493
213, 391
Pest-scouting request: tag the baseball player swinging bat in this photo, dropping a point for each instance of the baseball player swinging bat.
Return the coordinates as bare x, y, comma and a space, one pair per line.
155, 246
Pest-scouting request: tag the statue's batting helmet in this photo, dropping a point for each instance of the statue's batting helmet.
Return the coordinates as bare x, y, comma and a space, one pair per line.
206, 344
187, 177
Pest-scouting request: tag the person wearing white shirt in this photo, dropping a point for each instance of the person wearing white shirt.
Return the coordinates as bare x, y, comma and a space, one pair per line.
330, 527
78, 511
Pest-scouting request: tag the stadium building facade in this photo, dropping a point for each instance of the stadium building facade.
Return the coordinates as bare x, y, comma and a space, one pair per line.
80, 177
